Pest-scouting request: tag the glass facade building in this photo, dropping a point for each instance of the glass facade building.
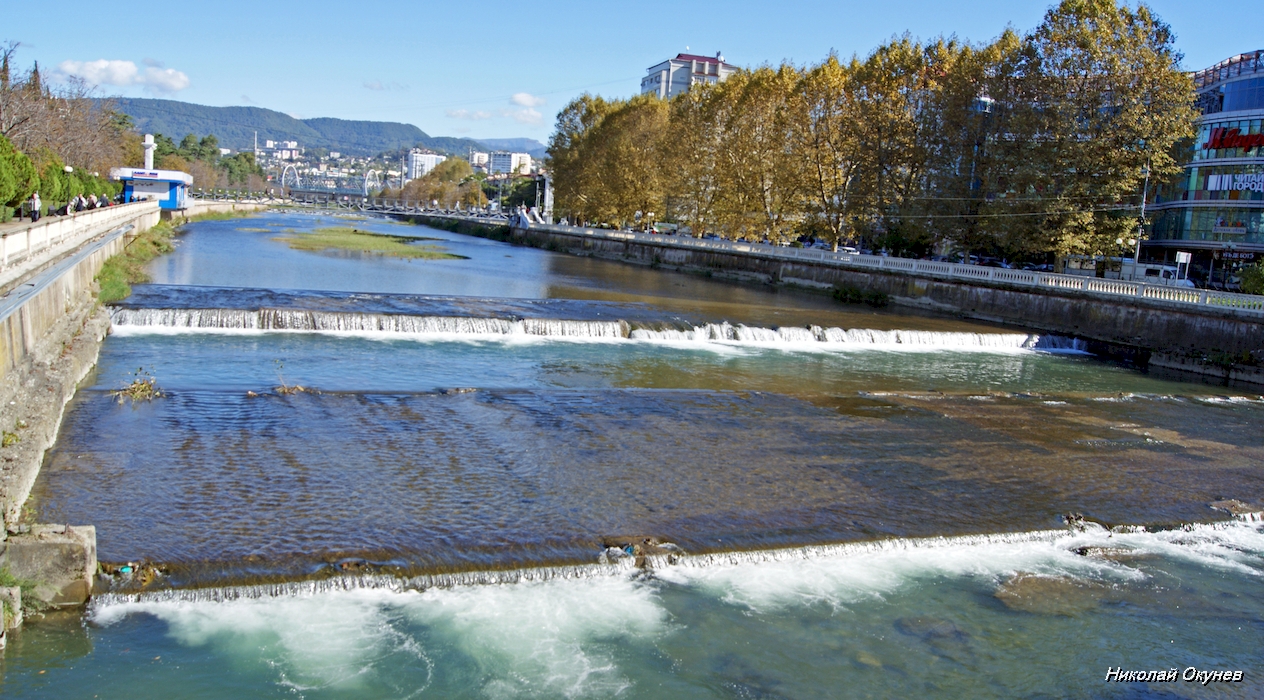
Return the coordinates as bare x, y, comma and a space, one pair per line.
1215, 209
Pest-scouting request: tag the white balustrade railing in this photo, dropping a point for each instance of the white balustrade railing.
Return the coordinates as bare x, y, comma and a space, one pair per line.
26, 247
1108, 288
1249, 304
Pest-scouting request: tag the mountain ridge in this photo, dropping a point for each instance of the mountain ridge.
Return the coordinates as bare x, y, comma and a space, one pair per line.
235, 128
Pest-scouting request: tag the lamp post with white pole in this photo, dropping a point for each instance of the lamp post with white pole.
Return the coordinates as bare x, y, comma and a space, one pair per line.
1145, 191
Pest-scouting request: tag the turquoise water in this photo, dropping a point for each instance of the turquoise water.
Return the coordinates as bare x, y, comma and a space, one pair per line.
870, 504
931, 620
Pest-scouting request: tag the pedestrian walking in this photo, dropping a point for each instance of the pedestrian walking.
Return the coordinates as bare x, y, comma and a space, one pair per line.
35, 207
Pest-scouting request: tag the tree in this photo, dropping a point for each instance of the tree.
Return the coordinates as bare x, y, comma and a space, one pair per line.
893, 86
762, 179
691, 155
824, 133
1252, 277
626, 153
1107, 100
18, 179
569, 155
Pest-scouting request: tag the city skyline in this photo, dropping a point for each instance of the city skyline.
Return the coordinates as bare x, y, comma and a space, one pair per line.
467, 76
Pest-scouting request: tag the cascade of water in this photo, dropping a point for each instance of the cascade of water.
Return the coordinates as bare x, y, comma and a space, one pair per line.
725, 332
344, 322
375, 582
354, 322
1215, 542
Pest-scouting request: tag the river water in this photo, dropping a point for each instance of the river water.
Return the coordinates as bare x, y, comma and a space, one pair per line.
858, 503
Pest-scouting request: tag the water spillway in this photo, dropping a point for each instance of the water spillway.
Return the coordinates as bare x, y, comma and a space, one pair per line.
132, 320
864, 499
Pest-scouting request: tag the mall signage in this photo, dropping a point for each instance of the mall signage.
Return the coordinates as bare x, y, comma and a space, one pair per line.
1233, 138
1243, 182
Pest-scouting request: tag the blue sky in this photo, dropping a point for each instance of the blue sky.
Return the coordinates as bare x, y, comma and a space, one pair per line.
493, 69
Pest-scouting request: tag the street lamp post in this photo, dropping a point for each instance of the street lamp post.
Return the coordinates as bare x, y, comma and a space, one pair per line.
1145, 191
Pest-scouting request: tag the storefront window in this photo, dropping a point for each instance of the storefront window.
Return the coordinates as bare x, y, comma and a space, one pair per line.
1228, 224
1223, 133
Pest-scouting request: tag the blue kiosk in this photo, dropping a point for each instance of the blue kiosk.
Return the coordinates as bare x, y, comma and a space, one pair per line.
167, 187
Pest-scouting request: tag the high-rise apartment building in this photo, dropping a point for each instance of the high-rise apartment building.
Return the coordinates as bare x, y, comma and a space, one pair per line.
420, 163
677, 75
505, 162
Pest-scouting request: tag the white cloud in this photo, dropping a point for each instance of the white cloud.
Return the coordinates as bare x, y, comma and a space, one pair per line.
101, 72
526, 99
467, 114
524, 111
523, 116
164, 80
154, 78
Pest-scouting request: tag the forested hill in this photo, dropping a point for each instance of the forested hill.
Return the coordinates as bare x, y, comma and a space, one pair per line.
235, 128
530, 146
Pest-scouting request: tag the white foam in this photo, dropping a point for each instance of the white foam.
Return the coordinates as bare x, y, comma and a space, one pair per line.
556, 636
345, 641
716, 337
535, 638
848, 574
818, 338
548, 633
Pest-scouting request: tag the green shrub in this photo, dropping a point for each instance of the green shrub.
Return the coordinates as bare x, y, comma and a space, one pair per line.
1252, 277
120, 272
850, 294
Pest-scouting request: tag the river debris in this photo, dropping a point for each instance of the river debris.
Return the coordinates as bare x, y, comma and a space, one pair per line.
131, 574
143, 387
642, 549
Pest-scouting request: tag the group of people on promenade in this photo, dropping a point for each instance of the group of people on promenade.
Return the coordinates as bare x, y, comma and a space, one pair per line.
78, 203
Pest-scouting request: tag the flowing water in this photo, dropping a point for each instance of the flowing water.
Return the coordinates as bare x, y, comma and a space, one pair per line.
371, 477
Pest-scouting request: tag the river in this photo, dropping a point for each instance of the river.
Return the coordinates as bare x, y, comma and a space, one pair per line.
380, 477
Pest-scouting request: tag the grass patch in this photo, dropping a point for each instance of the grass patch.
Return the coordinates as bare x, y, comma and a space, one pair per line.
344, 238
221, 215
30, 604
120, 272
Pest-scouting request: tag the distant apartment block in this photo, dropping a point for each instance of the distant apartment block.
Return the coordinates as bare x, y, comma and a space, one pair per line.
677, 75
505, 162
421, 163
478, 160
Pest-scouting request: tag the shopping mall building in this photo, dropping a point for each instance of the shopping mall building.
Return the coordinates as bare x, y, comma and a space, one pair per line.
1216, 209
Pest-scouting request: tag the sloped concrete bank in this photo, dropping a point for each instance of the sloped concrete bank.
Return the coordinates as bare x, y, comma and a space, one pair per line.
1223, 345
51, 330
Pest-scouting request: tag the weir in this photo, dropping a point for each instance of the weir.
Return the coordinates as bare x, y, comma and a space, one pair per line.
158, 320
1207, 333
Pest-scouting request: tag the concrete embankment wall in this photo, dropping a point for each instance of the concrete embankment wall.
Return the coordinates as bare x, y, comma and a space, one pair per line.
50, 335
1177, 336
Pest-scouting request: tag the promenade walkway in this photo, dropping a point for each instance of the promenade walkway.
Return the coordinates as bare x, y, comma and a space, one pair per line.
26, 248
